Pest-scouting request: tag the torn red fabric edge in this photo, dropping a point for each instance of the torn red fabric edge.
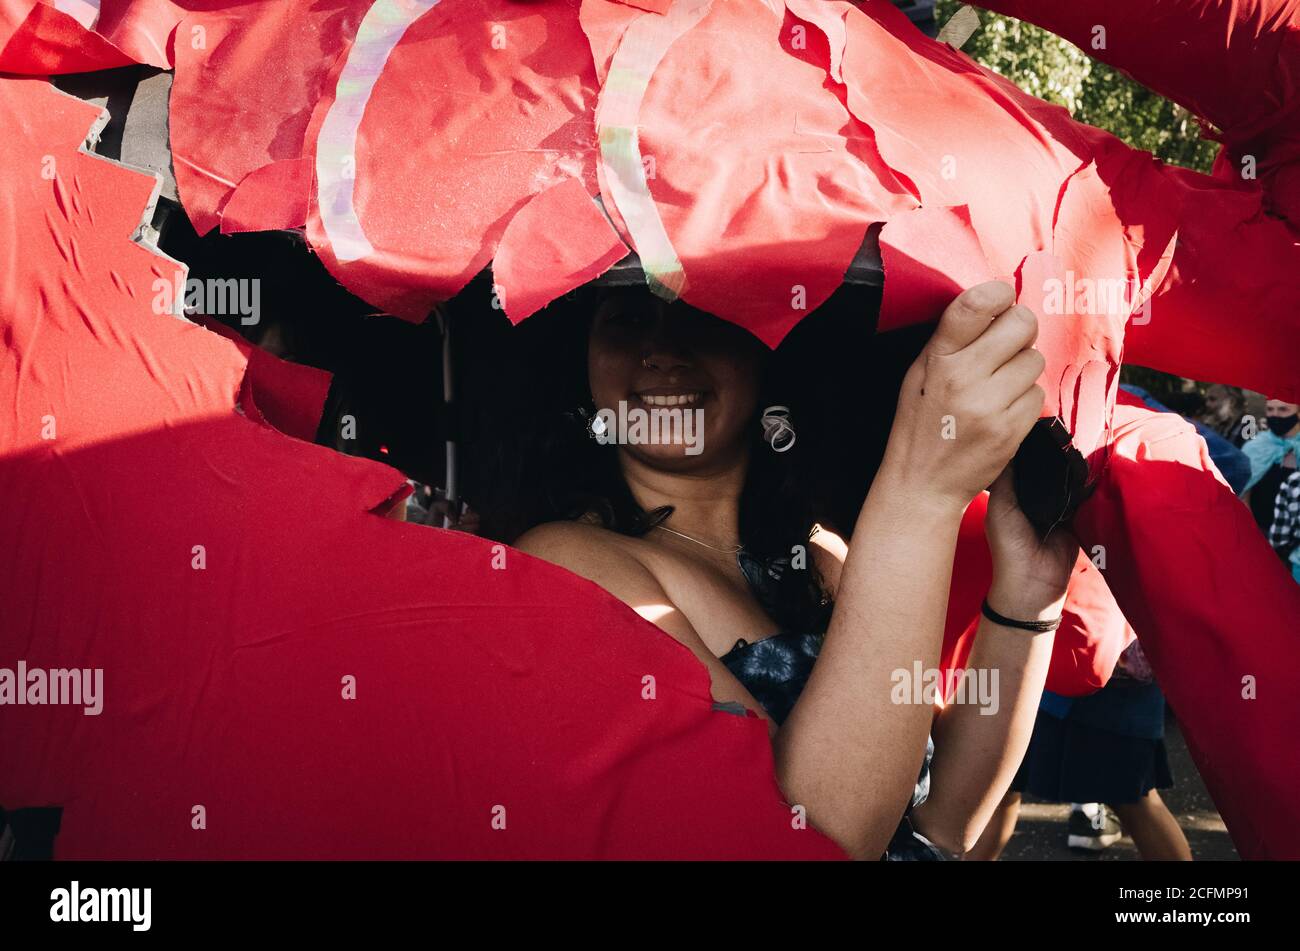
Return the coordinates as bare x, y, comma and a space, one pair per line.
287, 396
274, 197
536, 262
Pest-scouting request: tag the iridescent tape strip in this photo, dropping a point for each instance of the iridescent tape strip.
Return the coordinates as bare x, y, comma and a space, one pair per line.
85, 12
642, 48
382, 28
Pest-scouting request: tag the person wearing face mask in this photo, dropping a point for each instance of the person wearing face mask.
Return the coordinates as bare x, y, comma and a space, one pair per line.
1272, 454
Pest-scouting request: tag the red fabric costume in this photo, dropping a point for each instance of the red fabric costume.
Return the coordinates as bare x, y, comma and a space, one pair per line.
742, 148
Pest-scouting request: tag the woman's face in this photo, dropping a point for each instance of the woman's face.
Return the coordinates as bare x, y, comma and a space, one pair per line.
689, 379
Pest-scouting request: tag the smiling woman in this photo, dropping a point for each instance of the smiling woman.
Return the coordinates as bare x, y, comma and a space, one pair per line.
722, 548
580, 385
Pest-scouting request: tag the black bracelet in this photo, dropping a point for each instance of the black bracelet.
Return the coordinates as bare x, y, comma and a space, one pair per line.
1036, 627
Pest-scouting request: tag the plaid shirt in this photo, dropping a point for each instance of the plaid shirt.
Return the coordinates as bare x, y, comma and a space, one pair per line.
1284, 533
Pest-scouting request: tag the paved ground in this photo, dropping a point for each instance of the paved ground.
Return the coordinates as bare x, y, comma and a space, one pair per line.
1040, 833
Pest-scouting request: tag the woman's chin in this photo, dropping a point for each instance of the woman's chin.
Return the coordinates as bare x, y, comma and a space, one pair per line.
675, 455
671, 458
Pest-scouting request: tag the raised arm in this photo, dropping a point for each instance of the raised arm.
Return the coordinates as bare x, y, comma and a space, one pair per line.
848, 753
979, 745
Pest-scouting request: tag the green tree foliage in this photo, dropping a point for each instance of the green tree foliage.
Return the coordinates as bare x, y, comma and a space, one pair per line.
1051, 68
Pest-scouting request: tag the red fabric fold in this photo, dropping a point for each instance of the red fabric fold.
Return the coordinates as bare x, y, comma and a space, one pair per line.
929, 255
254, 71
1234, 63
286, 396
1216, 613
38, 40
273, 197
537, 262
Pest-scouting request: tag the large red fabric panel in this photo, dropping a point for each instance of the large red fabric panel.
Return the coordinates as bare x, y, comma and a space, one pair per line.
253, 71
1216, 613
1228, 310
1223, 59
809, 164
405, 218
764, 181
323, 682
1235, 277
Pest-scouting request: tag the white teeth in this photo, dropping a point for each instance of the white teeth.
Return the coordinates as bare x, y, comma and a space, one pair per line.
682, 399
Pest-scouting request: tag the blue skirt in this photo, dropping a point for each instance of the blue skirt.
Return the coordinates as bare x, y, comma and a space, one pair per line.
1073, 759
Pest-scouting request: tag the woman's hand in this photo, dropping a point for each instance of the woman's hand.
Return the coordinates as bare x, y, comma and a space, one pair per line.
969, 399
1030, 575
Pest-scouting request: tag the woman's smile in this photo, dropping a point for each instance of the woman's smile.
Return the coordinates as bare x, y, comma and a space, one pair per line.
667, 396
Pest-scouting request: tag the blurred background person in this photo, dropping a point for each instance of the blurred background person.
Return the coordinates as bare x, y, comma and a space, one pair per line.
1224, 453
1284, 533
1225, 412
1272, 454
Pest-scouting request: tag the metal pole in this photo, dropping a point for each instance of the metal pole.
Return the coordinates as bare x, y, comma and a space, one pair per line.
452, 490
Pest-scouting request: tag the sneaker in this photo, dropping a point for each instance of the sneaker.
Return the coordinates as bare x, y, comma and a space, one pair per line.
1093, 826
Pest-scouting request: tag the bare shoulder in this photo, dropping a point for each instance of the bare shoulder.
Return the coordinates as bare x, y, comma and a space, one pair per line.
610, 560
829, 551
552, 536
591, 551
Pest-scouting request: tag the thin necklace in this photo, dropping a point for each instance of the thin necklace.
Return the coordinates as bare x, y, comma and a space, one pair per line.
729, 550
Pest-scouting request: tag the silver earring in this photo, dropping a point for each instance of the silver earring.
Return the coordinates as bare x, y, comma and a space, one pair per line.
777, 430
